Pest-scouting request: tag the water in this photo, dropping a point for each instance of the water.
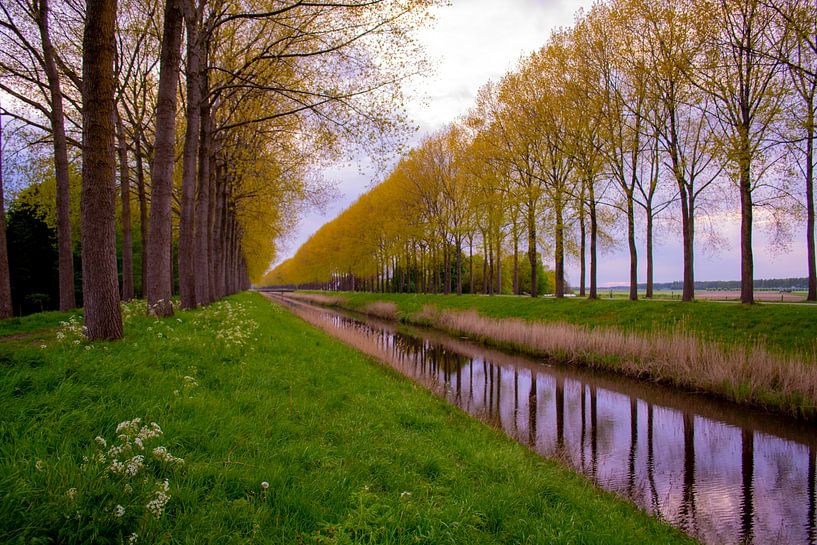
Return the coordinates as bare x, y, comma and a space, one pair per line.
722, 473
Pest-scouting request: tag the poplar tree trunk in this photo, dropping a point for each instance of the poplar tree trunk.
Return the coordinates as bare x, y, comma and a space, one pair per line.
746, 259
201, 235
459, 266
160, 278
515, 257
648, 295
143, 209
559, 258
582, 250
127, 239
688, 228
498, 266
187, 270
6, 309
633, 249
65, 246
532, 252
594, 235
812, 266
103, 317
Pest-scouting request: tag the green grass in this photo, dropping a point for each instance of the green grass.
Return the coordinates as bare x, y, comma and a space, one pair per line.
782, 328
33, 323
352, 452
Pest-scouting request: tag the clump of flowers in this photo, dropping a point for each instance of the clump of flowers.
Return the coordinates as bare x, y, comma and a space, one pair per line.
189, 384
124, 486
235, 328
71, 331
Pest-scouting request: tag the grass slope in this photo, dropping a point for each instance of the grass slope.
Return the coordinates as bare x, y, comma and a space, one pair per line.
246, 393
781, 328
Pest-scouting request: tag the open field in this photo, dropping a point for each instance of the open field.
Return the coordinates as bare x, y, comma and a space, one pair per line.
245, 393
711, 295
732, 351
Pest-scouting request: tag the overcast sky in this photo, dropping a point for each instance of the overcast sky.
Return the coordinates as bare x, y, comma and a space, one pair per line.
474, 41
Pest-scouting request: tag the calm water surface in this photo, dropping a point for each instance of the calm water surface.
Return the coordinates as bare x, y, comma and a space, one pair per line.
722, 473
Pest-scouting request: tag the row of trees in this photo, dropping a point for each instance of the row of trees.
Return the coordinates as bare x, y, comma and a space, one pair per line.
215, 114
643, 111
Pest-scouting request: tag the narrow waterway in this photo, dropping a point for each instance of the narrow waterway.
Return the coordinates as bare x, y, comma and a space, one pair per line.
724, 474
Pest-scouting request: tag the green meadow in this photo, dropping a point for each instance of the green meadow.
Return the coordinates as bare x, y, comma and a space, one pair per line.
254, 427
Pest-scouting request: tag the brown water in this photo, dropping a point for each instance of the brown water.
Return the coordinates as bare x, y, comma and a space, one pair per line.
722, 473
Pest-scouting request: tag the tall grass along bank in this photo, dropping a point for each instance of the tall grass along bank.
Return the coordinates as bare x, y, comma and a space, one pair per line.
239, 423
740, 368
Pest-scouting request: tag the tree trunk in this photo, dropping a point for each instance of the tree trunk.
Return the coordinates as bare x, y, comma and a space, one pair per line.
559, 258
65, 246
515, 263
633, 249
459, 266
594, 235
143, 209
103, 316
648, 295
498, 265
6, 308
812, 266
201, 235
187, 269
484, 264
127, 239
582, 249
447, 266
471, 265
532, 251
160, 279
687, 213
490, 259
747, 290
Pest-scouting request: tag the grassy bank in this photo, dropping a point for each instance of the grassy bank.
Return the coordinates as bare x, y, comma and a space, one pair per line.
246, 394
780, 328
731, 351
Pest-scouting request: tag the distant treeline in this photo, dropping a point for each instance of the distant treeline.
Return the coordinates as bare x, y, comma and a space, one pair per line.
760, 284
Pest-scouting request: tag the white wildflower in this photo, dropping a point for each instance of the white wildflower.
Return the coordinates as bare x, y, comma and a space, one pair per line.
134, 465
264, 485
162, 454
133, 538
71, 493
156, 506
101, 441
39, 465
119, 511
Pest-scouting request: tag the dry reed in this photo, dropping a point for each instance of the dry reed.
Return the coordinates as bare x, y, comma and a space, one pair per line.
317, 299
381, 309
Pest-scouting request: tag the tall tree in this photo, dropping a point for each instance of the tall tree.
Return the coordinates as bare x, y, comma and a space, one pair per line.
65, 245
740, 73
124, 186
798, 52
103, 316
159, 249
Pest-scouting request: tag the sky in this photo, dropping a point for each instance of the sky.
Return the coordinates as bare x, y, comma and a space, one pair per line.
474, 41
